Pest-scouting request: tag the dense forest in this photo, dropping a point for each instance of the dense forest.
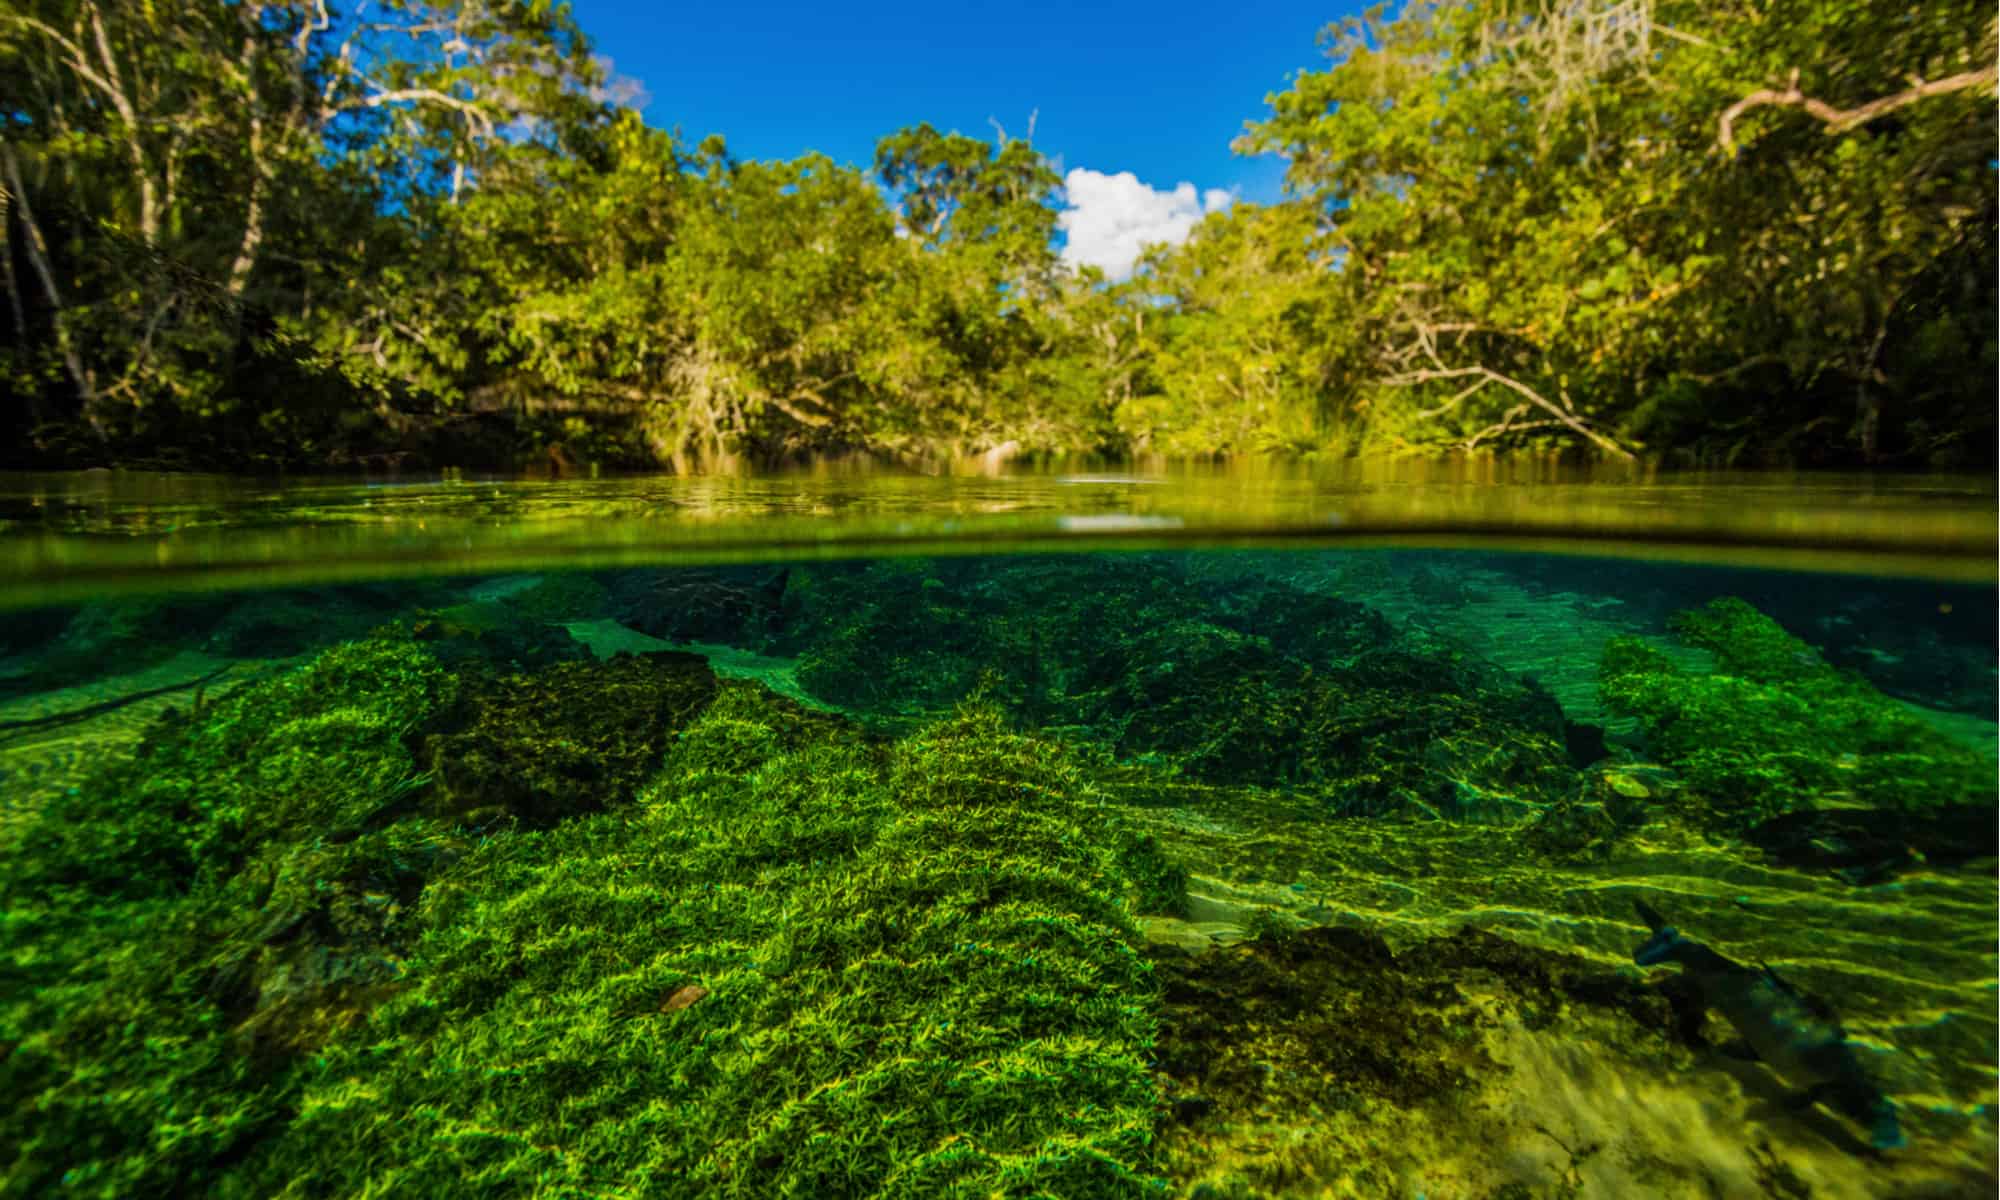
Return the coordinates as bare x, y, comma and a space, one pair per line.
258, 235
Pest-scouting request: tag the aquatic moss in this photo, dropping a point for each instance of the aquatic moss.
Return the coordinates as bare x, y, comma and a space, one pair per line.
1160, 882
571, 738
1289, 1060
183, 922
1774, 730
1747, 644
318, 748
1235, 679
806, 963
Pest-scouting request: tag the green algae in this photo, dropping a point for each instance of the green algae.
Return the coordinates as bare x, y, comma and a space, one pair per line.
1774, 735
915, 962
571, 738
546, 926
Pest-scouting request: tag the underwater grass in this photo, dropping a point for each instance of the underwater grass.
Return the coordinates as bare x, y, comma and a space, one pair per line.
1775, 730
451, 909
800, 961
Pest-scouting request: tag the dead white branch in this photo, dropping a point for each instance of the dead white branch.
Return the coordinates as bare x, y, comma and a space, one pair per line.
1487, 375
1840, 120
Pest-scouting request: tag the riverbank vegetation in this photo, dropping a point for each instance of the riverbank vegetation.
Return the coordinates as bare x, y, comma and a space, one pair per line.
259, 235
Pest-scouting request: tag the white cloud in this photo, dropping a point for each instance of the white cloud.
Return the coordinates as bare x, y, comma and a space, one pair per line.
626, 91
1111, 218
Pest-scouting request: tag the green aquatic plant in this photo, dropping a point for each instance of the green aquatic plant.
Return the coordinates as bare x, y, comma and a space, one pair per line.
1748, 644
318, 748
804, 963
570, 738
227, 896
1773, 730
1234, 678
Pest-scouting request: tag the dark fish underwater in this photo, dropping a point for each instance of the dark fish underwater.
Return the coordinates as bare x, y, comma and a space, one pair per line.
1797, 1035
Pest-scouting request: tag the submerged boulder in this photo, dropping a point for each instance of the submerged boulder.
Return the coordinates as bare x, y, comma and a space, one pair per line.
736, 605
805, 962
573, 738
1238, 679
1775, 741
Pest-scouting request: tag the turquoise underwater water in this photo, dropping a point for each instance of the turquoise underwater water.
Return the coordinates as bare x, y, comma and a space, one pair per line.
970, 838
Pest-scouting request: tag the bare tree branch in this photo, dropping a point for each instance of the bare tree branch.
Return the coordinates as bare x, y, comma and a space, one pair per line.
7, 265
1840, 120
38, 256
474, 113
1488, 375
107, 81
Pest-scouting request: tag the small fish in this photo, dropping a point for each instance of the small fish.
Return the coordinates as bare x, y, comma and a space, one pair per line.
1797, 1035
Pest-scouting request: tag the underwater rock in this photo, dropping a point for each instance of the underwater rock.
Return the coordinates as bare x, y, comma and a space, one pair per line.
736, 606
1243, 679
1869, 845
110, 637
284, 623
1297, 1049
317, 747
496, 634
1585, 743
1588, 826
573, 738
29, 629
1160, 884
1317, 629
562, 596
187, 922
919, 980
1822, 740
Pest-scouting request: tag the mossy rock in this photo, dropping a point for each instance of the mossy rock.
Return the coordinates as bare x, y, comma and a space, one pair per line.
494, 634
562, 596
1747, 644
187, 924
1160, 883
319, 747
1280, 1057
734, 605
1243, 680
573, 738
1821, 740
803, 963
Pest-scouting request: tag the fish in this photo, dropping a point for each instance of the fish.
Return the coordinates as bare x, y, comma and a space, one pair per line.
1795, 1034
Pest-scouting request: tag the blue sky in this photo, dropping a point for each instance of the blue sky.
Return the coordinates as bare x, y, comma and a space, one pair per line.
1157, 89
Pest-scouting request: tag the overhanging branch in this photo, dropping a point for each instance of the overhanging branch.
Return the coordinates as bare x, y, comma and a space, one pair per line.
1485, 375
1840, 120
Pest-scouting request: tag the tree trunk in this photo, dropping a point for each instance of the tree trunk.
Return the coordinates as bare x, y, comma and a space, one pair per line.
38, 257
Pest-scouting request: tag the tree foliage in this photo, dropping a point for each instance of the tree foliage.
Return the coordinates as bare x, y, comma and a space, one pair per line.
287, 232
1548, 226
